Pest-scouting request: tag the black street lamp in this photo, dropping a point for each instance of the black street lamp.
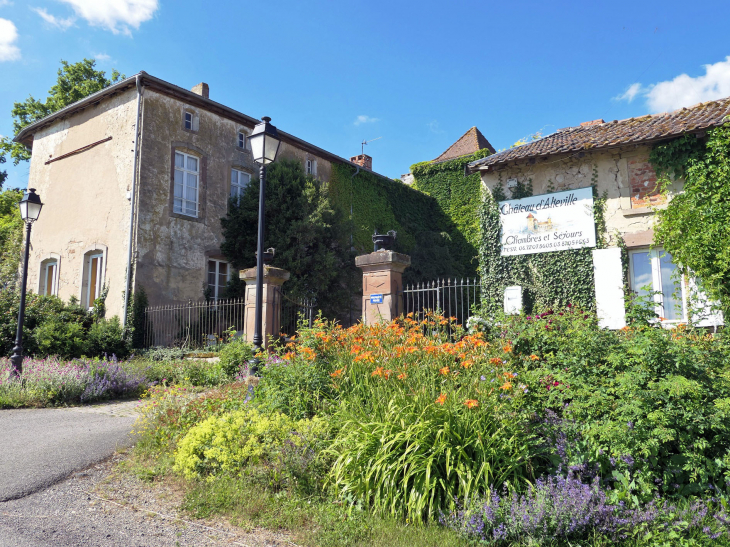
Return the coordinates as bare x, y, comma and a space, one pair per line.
265, 145
30, 210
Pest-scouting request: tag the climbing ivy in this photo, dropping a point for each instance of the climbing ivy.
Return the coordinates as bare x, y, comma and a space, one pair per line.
425, 232
459, 195
552, 279
694, 226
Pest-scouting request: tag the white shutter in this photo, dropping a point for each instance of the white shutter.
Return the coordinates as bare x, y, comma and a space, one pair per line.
608, 279
704, 311
196, 122
314, 168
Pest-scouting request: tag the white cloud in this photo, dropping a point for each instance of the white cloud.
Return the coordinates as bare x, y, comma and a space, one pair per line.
57, 22
684, 90
628, 95
102, 57
4, 3
433, 127
8, 35
115, 15
365, 119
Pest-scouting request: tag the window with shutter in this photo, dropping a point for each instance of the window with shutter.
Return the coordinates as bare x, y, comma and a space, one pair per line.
185, 199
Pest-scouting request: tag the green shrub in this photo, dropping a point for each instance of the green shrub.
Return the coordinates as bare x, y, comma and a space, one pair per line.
298, 388
106, 337
161, 353
234, 355
64, 339
229, 443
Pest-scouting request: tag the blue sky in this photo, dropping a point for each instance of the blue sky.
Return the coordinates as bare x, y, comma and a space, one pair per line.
417, 74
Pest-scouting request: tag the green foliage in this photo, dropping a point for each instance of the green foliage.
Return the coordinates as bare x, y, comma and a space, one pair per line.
136, 318
11, 237
699, 248
303, 228
74, 82
234, 355
553, 279
64, 339
647, 406
106, 336
298, 389
458, 195
226, 444
425, 232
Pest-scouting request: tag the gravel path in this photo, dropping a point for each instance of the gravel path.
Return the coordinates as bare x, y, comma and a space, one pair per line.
98, 507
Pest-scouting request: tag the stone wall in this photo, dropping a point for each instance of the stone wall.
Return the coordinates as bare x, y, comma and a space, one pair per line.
85, 196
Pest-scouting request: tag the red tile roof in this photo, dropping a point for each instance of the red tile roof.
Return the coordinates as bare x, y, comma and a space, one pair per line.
598, 134
470, 142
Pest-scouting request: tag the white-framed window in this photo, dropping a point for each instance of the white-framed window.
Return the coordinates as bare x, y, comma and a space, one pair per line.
93, 278
185, 200
311, 167
239, 182
49, 277
218, 271
241, 139
188, 120
191, 121
652, 271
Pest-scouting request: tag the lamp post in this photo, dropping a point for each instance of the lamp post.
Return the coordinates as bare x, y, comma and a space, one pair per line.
264, 145
30, 209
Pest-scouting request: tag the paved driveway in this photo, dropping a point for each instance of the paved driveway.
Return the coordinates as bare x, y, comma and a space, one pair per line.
39, 447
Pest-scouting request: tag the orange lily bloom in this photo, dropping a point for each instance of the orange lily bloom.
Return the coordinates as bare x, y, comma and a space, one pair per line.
441, 399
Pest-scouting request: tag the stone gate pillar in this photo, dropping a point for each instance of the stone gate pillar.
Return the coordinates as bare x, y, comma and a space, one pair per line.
274, 278
382, 285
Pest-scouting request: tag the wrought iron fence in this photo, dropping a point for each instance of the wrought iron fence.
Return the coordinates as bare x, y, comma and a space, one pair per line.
204, 323
449, 297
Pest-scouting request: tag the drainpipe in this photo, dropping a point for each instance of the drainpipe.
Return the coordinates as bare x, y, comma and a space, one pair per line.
137, 138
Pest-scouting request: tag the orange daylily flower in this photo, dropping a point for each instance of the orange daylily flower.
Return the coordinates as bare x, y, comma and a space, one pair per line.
467, 363
444, 371
506, 386
507, 348
377, 372
471, 403
495, 361
402, 376
387, 373
441, 399
534, 357
337, 373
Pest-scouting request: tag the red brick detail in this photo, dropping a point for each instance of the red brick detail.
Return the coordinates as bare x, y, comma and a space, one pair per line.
363, 160
643, 183
593, 122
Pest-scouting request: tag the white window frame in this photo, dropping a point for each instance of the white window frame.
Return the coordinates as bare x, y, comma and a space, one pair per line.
239, 188
656, 280
45, 266
188, 123
215, 288
185, 172
241, 142
310, 167
88, 272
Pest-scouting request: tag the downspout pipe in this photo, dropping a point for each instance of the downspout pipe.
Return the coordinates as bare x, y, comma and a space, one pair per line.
137, 138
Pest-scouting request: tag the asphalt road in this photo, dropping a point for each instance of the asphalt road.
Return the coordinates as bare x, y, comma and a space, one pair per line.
40, 447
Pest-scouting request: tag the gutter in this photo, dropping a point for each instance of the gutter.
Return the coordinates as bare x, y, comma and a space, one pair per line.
133, 200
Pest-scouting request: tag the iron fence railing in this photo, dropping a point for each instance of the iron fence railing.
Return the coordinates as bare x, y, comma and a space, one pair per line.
204, 323
449, 297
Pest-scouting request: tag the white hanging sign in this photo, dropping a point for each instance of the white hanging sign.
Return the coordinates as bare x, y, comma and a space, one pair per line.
549, 222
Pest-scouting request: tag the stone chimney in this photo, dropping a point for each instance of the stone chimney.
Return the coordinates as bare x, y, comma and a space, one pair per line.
363, 160
202, 89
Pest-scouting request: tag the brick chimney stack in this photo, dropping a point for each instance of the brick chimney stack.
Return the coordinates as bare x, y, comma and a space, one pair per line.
363, 160
202, 89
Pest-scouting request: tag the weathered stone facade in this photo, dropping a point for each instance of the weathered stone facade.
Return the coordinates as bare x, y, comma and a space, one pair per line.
88, 194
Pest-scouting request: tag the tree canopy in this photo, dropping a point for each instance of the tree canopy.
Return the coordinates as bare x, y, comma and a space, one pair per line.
304, 229
695, 226
11, 236
74, 82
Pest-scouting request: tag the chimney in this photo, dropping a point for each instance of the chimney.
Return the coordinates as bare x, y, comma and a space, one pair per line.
363, 160
202, 89
594, 122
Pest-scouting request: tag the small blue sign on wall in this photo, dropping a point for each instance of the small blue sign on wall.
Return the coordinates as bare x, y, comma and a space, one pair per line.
376, 298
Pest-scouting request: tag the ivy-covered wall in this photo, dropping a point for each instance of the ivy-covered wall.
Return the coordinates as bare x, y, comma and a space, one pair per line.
552, 279
459, 197
425, 232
